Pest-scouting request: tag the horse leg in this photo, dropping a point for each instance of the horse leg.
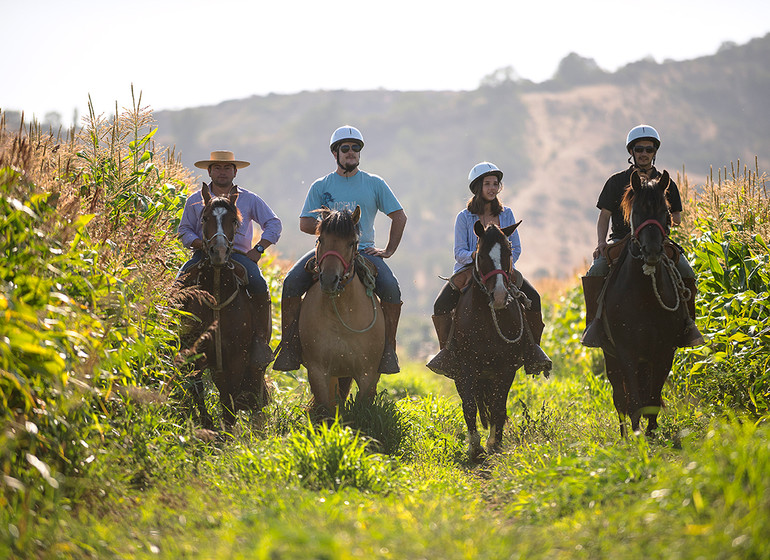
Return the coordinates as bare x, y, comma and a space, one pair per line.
466, 388
498, 411
324, 391
367, 386
227, 400
619, 394
198, 391
658, 373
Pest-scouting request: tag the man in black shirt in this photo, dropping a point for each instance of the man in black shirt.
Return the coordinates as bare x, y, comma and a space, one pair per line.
642, 144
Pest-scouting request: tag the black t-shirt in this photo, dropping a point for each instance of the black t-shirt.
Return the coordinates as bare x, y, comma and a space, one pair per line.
612, 195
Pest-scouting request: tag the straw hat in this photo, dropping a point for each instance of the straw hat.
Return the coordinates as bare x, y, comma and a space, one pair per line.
221, 156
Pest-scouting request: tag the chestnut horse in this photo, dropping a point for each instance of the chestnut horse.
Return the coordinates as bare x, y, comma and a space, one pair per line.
342, 329
491, 336
225, 333
644, 307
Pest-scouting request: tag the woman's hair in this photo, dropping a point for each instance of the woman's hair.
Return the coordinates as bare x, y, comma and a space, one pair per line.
476, 204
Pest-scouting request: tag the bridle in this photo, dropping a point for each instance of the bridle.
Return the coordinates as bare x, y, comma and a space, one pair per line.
347, 275
513, 293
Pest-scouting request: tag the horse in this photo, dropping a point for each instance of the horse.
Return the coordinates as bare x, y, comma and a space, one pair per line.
491, 337
224, 332
341, 325
644, 307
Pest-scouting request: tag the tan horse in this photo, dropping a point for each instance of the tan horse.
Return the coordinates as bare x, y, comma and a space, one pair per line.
341, 323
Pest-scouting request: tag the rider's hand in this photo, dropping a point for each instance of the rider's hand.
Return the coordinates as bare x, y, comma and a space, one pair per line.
600, 249
375, 252
254, 255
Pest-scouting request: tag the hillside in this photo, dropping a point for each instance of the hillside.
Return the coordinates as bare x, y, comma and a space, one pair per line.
557, 142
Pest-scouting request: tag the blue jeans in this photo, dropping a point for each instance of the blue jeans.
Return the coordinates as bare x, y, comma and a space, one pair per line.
298, 280
257, 283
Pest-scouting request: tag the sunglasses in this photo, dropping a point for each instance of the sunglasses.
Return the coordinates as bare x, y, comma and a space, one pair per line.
648, 149
345, 148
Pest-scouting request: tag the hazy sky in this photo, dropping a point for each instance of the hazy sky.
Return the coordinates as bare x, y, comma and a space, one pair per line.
185, 53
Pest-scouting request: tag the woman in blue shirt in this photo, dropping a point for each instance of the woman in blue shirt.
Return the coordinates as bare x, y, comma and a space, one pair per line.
485, 182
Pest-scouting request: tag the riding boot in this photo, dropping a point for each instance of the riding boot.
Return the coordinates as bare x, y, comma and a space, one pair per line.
289, 350
389, 362
691, 335
443, 363
535, 360
594, 335
260, 308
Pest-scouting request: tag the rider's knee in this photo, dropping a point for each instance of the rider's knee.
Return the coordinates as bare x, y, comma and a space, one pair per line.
600, 267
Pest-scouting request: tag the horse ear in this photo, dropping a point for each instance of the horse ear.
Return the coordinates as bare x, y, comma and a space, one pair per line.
478, 229
510, 229
233, 197
206, 194
356, 214
664, 181
636, 181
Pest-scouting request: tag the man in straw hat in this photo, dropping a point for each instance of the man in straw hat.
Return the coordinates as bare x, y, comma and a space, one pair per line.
222, 168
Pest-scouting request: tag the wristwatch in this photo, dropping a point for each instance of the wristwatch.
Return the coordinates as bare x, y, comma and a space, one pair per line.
260, 249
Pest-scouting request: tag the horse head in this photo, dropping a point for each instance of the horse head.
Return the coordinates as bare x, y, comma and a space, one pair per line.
336, 247
221, 220
646, 209
493, 262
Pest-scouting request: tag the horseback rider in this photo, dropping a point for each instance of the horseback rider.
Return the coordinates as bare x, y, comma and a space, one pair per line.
642, 144
222, 168
346, 187
485, 182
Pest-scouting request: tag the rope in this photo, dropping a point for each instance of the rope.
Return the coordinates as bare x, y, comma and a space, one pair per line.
368, 280
681, 292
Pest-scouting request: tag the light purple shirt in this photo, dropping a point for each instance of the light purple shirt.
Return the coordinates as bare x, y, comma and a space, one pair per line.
253, 209
466, 240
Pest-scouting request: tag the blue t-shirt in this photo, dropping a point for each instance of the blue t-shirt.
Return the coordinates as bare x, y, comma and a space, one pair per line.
336, 192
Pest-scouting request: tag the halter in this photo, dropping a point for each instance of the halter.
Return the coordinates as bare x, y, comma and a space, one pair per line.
347, 276
650, 222
513, 294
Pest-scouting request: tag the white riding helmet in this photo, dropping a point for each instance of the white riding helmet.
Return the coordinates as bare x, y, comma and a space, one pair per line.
481, 170
642, 132
345, 133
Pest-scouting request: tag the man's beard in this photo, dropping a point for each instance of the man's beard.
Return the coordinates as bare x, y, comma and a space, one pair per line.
348, 167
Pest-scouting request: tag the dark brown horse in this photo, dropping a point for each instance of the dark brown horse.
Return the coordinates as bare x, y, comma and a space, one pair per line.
644, 307
491, 336
225, 332
341, 324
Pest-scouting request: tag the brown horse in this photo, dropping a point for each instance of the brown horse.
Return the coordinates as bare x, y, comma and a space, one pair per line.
225, 332
341, 325
491, 336
644, 307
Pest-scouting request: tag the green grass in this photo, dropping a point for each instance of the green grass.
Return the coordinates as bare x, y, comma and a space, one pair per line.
100, 460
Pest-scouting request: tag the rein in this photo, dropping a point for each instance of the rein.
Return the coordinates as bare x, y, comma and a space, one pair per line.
514, 294
350, 269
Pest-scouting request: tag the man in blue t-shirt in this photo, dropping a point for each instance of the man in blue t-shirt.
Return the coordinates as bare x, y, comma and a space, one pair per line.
346, 187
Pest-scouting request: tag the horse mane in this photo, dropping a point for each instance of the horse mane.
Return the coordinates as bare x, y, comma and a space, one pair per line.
224, 202
648, 198
337, 222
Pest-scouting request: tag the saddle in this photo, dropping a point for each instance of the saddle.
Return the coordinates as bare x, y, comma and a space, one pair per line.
613, 251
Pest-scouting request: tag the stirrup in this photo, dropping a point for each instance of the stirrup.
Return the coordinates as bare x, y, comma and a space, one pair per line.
594, 335
389, 361
691, 336
538, 362
444, 363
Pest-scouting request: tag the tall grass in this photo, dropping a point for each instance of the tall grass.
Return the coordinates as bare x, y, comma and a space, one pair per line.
729, 225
